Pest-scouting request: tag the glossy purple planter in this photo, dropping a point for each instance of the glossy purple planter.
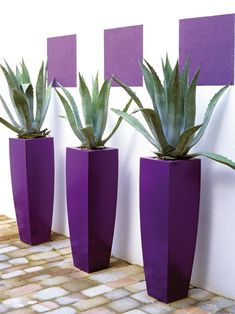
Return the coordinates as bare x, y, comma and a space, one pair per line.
32, 177
92, 177
169, 210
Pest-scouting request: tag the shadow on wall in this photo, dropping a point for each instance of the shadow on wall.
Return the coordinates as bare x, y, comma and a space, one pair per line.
126, 196
60, 224
204, 237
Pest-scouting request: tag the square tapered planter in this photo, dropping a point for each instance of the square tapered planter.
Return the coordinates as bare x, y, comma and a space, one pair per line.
91, 183
32, 176
169, 209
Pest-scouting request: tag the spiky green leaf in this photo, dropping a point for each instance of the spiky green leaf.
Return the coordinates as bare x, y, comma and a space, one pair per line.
167, 72
71, 118
24, 74
22, 106
129, 92
148, 79
182, 146
184, 78
9, 113
86, 101
11, 85
138, 126
208, 114
190, 103
103, 142
154, 122
138, 102
72, 104
11, 78
45, 106
9, 126
88, 133
175, 108
95, 91
159, 95
29, 97
216, 157
40, 94
18, 74
100, 119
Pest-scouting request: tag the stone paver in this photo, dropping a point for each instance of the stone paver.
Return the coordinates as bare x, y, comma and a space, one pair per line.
42, 279
4, 265
4, 257
121, 282
97, 290
192, 310
33, 269
18, 302
98, 310
117, 294
55, 281
79, 284
44, 255
200, 295
157, 308
68, 299
139, 286
136, 311
8, 249
50, 293
64, 310
3, 308
44, 306
143, 297
83, 305
216, 304
26, 289
19, 261
13, 274
124, 304
183, 303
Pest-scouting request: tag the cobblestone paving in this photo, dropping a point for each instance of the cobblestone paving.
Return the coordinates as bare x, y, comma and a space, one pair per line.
42, 279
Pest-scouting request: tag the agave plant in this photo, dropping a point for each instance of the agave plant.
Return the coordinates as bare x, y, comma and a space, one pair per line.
172, 120
95, 112
22, 97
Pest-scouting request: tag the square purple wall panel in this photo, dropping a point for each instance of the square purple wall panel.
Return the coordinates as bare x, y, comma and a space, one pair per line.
123, 49
210, 43
62, 60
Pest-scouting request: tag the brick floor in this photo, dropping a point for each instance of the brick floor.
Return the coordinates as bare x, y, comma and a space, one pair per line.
42, 279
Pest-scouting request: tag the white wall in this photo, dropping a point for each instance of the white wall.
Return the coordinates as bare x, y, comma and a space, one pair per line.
24, 27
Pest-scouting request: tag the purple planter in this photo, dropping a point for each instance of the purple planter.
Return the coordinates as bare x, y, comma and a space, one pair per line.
32, 177
169, 209
92, 177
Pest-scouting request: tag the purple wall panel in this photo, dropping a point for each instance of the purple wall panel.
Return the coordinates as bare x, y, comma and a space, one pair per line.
62, 60
210, 42
123, 49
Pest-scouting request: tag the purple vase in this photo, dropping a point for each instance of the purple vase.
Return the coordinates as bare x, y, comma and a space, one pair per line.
32, 177
91, 181
169, 210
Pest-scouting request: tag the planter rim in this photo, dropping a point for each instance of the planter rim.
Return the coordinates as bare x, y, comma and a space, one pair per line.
30, 139
169, 161
92, 150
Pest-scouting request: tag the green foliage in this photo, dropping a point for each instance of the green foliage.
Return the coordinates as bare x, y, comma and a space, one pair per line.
22, 97
171, 122
95, 112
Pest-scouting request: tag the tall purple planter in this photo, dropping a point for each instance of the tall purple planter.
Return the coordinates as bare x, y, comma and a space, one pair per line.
32, 176
91, 180
169, 210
